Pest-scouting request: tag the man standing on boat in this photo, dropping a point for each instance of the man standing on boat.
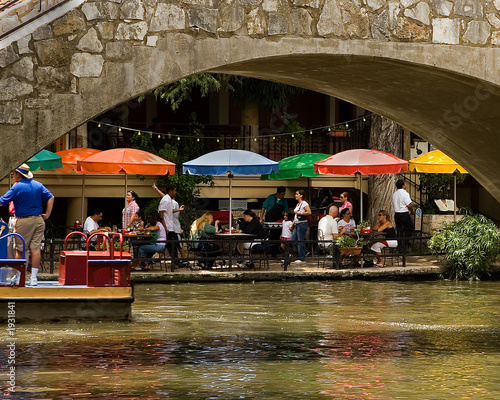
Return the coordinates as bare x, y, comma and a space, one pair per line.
28, 196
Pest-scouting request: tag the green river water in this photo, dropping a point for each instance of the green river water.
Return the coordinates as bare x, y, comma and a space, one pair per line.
273, 340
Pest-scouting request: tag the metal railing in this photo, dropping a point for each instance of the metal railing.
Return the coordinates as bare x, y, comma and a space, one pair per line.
225, 256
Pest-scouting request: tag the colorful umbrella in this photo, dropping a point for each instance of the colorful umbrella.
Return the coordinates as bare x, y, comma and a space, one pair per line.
300, 165
45, 160
232, 162
361, 162
436, 162
69, 160
125, 161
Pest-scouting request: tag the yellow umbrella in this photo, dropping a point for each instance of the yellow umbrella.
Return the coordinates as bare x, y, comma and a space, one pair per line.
436, 162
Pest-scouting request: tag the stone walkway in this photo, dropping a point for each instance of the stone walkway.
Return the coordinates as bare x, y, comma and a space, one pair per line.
421, 267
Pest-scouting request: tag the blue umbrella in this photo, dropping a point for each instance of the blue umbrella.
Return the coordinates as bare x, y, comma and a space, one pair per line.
231, 162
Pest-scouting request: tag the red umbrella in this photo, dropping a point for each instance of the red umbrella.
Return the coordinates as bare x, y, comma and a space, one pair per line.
361, 162
126, 161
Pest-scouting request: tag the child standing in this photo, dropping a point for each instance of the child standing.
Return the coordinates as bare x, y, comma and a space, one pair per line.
286, 232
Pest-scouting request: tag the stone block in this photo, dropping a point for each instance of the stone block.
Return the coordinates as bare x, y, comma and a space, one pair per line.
52, 78
330, 20
168, 17
24, 68
90, 42
408, 3
421, 12
271, 5
8, 23
232, 18
255, 24
307, 3
412, 31
495, 38
379, 28
375, 4
469, 8
12, 88
301, 22
135, 31
151, 41
43, 33
11, 113
203, 18
200, 3
116, 51
86, 65
494, 20
251, 3
278, 24
477, 32
106, 30
23, 45
432, 222
132, 9
54, 52
71, 23
446, 30
443, 7
8, 56
37, 103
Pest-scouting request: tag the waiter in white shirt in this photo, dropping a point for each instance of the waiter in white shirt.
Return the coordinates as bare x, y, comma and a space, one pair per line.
402, 209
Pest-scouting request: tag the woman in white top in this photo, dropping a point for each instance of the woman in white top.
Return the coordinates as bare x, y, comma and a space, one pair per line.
346, 223
302, 213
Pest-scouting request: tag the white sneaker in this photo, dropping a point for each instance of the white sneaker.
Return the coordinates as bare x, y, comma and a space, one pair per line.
298, 262
34, 282
329, 256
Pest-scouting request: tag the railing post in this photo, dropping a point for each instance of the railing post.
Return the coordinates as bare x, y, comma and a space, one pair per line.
51, 254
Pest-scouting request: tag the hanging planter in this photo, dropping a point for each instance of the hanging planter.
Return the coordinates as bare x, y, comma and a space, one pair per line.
340, 131
350, 251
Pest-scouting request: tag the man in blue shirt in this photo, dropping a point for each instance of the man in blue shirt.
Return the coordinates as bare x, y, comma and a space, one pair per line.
28, 196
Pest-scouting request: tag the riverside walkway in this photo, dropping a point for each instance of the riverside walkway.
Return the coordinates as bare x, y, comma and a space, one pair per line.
417, 268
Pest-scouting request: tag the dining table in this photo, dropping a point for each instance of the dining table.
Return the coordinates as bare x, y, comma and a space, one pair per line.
230, 239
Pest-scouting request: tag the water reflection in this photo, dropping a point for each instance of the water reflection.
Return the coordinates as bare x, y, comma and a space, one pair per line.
347, 340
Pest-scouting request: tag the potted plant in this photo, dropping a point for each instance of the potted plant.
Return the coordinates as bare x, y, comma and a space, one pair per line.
349, 246
340, 131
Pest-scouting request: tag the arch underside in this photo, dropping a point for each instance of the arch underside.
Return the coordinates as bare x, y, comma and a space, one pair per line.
456, 112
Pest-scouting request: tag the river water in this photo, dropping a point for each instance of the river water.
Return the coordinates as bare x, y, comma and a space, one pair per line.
274, 340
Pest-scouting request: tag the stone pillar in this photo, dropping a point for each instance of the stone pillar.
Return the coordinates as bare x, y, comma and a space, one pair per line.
406, 144
81, 135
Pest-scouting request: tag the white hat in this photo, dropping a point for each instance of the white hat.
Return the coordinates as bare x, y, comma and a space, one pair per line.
24, 170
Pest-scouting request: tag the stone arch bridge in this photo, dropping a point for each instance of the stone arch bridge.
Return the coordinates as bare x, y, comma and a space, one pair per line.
430, 65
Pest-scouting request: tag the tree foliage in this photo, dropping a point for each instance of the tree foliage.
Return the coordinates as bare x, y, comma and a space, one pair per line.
270, 95
469, 246
437, 186
178, 152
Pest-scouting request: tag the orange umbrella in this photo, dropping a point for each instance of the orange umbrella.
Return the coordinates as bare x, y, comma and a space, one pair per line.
126, 161
70, 158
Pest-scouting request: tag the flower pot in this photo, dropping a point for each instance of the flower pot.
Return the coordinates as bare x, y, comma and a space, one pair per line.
339, 133
350, 251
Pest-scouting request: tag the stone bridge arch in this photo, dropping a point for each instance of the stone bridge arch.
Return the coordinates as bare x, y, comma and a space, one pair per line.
431, 66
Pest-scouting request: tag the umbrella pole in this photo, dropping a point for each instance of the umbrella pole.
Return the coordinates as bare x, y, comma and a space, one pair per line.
454, 196
126, 190
360, 198
83, 199
230, 176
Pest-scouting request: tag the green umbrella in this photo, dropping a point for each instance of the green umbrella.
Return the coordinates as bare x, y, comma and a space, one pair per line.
45, 160
300, 165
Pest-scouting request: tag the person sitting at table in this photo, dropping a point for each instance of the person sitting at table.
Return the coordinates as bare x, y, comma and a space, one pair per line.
91, 226
253, 227
136, 223
202, 228
328, 230
158, 241
346, 222
385, 226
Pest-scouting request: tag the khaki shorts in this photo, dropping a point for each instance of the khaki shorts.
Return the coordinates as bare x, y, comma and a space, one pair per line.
31, 229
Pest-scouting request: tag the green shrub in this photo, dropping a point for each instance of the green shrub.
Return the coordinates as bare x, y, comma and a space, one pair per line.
468, 246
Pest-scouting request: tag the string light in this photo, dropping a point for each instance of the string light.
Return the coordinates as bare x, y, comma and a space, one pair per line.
289, 134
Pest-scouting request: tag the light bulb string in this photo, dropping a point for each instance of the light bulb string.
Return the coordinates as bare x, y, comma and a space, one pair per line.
338, 126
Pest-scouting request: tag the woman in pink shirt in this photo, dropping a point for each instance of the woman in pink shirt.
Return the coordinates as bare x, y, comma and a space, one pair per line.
346, 202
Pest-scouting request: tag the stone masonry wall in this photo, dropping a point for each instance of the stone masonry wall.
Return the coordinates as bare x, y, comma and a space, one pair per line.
54, 57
